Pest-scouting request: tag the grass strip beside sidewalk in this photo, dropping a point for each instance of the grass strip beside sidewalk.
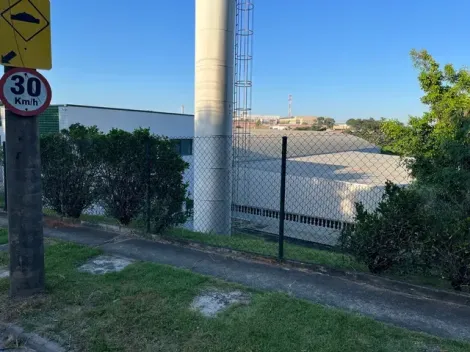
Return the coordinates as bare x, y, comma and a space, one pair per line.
146, 308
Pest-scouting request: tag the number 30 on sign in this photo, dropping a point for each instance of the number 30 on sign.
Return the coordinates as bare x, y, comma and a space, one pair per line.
25, 92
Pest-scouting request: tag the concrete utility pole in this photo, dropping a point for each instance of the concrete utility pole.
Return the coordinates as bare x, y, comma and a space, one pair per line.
25, 227
25, 46
213, 112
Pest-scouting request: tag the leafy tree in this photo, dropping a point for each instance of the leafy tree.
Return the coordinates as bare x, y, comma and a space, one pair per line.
69, 169
329, 122
437, 145
436, 150
445, 125
138, 166
370, 130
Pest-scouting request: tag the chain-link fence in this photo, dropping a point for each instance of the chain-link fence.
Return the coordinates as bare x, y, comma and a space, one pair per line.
320, 197
284, 194
308, 194
326, 175
299, 189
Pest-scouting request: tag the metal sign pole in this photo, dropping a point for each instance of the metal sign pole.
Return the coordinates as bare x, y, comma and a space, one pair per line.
25, 226
5, 185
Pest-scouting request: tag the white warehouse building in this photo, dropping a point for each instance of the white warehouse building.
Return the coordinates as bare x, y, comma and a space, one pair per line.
58, 117
178, 127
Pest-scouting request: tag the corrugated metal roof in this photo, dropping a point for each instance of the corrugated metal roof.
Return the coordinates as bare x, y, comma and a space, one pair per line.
326, 155
267, 145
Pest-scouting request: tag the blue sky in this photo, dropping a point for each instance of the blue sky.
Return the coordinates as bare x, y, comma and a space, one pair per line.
338, 58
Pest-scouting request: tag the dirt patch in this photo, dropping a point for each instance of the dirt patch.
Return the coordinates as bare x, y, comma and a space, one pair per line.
212, 302
104, 264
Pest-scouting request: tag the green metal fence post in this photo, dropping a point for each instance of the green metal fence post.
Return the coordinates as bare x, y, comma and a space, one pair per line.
148, 168
282, 197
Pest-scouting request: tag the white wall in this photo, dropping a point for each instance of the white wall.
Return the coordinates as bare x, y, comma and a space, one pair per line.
312, 196
166, 124
305, 195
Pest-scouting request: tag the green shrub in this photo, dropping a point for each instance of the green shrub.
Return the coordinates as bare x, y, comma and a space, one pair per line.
448, 240
414, 230
69, 161
454, 257
391, 237
139, 166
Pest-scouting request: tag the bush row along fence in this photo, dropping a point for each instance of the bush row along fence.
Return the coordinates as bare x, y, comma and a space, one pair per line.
119, 177
294, 196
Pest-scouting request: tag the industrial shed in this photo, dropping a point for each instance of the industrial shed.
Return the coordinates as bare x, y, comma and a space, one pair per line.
327, 173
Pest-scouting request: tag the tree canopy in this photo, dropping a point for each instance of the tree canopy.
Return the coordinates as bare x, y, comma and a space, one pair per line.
438, 139
371, 130
427, 222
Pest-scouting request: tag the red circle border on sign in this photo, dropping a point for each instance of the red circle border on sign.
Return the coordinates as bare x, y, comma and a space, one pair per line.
11, 72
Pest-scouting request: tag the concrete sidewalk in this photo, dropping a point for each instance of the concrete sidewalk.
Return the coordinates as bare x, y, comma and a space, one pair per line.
435, 317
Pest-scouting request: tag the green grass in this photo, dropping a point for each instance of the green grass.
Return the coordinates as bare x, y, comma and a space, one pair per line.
249, 243
146, 308
3, 258
96, 219
257, 244
3, 236
332, 259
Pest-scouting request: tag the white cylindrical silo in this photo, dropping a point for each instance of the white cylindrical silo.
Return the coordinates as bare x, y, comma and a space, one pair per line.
215, 31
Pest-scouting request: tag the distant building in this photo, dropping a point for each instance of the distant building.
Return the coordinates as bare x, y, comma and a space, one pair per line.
341, 127
279, 127
299, 120
265, 118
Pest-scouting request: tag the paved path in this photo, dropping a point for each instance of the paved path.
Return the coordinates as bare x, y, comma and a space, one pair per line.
414, 312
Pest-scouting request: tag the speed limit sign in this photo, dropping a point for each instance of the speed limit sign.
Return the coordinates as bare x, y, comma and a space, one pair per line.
25, 92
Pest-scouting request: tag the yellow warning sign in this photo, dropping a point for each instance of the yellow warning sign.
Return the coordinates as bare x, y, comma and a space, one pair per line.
25, 32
